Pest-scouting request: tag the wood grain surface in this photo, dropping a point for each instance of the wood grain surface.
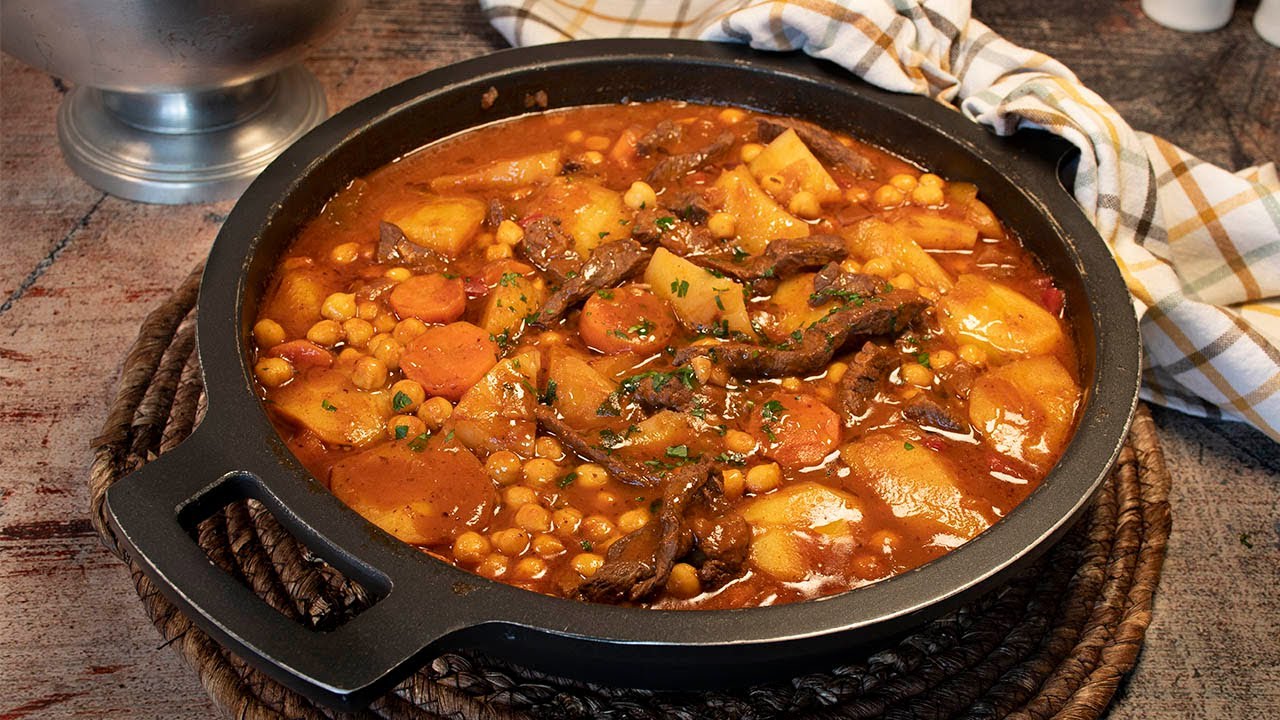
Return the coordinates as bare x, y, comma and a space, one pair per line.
79, 270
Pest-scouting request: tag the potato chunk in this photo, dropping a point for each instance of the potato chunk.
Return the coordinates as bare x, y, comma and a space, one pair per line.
915, 482
294, 300
591, 213
497, 412
791, 301
876, 238
328, 404
513, 299
932, 231
580, 388
503, 174
445, 225
702, 301
759, 218
424, 492
788, 158
1001, 320
788, 522
1026, 409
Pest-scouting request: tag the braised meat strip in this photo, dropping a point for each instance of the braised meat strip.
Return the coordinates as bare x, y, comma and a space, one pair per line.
824, 145
549, 247
677, 166
858, 386
609, 264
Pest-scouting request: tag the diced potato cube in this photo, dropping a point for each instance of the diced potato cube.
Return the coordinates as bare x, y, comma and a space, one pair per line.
580, 388
875, 238
445, 225
914, 481
759, 218
658, 432
497, 412
328, 404
295, 299
932, 231
424, 492
789, 158
702, 301
778, 552
513, 299
503, 174
1001, 320
1026, 409
806, 506
591, 213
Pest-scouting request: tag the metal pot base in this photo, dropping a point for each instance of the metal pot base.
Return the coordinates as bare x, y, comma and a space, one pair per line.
190, 147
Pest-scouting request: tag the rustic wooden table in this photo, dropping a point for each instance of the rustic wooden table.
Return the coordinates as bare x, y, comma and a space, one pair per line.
80, 269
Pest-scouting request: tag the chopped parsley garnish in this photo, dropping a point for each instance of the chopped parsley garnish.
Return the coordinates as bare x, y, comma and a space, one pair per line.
665, 223
678, 451
642, 328
586, 545
602, 234
508, 279
605, 293
328, 405
739, 254
402, 431
448, 436
731, 458
567, 480
549, 397
400, 401
923, 359
719, 302
419, 443
908, 446
680, 287
772, 410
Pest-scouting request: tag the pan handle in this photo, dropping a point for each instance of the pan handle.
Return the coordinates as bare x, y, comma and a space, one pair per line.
154, 512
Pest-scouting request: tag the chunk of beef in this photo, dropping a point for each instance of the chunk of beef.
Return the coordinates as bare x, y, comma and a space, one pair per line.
609, 264
549, 247
881, 315
722, 537
394, 247
957, 379
495, 213
664, 135
929, 413
824, 145
659, 226
833, 283
858, 386
671, 395
688, 206
677, 166
592, 449
782, 258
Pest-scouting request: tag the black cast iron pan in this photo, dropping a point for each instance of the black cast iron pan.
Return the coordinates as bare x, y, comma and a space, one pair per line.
425, 606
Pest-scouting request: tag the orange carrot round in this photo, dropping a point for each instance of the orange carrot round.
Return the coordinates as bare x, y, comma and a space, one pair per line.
431, 298
796, 429
449, 359
626, 319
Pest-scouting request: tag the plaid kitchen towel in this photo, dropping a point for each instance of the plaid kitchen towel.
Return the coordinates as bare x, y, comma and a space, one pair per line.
1199, 246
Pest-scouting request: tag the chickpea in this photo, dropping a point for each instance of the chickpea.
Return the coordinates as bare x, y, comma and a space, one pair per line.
345, 254
633, 520
574, 136
606, 500
750, 151
722, 225
370, 373
408, 329
835, 371
566, 521
325, 333
683, 581
547, 546
592, 157
339, 306
510, 542
498, 252
930, 180
940, 359
929, 293
904, 182
973, 354
731, 116
509, 233
384, 323
591, 476
587, 564
791, 383
366, 309
398, 274
388, 352
268, 333
597, 528
888, 196
405, 427
927, 195
702, 368
530, 568
534, 518
879, 266
503, 466
273, 372
734, 483
804, 204
856, 195
407, 395
640, 195
347, 358
597, 142
493, 566
903, 281
435, 411
917, 374
739, 442
518, 495
471, 547
548, 447
357, 331
763, 478
540, 472
851, 266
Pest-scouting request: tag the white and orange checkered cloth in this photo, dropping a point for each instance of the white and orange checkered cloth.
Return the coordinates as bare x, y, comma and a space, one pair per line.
1199, 246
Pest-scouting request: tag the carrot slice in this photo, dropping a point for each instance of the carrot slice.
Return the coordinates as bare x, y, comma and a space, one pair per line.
448, 360
796, 429
626, 319
430, 298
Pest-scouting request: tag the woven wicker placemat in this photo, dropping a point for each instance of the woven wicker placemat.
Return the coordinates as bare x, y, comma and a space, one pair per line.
1054, 642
